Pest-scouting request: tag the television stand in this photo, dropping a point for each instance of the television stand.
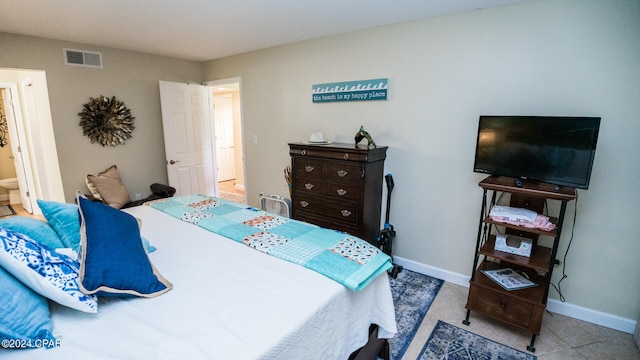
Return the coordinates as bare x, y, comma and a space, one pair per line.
523, 308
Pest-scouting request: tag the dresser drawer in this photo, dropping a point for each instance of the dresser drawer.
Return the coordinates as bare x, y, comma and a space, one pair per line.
308, 168
346, 211
309, 186
322, 221
342, 190
503, 306
344, 172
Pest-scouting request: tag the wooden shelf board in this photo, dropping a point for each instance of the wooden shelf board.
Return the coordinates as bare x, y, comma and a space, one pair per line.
539, 260
533, 295
531, 188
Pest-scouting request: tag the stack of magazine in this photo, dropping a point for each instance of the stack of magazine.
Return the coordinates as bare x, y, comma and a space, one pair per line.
509, 279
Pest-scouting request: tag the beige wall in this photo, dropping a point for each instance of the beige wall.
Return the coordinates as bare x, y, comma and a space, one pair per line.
130, 76
541, 58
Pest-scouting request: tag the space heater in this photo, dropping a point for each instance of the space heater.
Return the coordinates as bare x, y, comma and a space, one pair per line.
275, 204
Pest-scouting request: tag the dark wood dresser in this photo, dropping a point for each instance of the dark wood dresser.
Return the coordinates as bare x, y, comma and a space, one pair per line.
338, 186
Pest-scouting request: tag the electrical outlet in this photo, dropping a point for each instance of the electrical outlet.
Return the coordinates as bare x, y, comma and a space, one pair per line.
138, 196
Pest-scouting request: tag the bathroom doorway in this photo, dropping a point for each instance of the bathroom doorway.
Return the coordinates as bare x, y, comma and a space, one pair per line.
16, 177
7, 168
33, 155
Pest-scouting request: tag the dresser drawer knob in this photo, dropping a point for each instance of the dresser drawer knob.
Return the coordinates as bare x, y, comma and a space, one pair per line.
341, 192
503, 303
304, 203
304, 152
309, 168
345, 213
346, 156
342, 173
308, 186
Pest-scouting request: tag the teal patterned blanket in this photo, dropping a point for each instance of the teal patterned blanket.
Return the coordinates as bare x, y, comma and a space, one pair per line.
346, 259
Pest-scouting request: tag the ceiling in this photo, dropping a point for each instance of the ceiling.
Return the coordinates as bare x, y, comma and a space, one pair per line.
210, 29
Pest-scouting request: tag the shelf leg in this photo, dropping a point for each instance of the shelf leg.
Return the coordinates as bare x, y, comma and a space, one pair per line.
466, 320
533, 340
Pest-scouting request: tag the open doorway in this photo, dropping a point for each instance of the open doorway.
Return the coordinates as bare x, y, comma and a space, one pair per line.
30, 157
227, 119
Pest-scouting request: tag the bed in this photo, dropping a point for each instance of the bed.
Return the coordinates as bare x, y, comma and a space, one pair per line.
227, 301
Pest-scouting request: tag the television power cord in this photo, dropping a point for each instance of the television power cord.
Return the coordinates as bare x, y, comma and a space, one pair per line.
564, 259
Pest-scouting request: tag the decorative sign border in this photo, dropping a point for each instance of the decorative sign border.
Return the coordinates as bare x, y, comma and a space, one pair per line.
361, 90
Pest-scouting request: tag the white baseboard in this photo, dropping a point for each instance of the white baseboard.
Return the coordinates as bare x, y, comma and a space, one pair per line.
435, 272
555, 306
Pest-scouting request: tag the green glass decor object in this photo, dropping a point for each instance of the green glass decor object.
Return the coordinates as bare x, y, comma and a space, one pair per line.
362, 134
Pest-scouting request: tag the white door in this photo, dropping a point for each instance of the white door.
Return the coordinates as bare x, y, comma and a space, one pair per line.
20, 150
225, 152
188, 138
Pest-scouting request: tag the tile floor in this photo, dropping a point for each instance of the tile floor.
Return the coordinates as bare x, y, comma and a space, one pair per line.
561, 337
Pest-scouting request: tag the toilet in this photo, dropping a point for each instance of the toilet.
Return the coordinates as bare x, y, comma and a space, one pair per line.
11, 184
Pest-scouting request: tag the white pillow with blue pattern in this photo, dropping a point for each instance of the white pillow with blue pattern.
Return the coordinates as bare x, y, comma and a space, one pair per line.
48, 273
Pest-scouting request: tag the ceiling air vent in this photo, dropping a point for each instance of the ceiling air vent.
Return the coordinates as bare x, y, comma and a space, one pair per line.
82, 58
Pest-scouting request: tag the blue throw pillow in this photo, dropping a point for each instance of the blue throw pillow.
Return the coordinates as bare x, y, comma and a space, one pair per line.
36, 229
43, 270
64, 219
147, 246
113, 260
24, 315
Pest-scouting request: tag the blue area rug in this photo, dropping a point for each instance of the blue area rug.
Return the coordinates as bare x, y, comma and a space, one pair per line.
412, 293
448, 342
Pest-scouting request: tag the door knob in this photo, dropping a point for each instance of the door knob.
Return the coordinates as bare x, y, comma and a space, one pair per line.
173, 161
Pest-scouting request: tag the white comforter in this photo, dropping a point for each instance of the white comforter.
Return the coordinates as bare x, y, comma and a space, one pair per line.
228, 302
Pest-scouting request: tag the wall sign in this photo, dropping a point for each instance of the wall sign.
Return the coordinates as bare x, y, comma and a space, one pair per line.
362, 90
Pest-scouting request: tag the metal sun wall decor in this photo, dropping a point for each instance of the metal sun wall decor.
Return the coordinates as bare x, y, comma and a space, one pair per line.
4, 130
106, 121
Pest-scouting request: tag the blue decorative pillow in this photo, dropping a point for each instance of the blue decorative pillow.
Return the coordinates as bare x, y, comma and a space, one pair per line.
36, 229
64, 219
52, 275
148, 248
24, 315
113, 260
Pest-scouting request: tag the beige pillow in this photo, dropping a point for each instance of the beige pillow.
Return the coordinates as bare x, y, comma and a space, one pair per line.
108, 187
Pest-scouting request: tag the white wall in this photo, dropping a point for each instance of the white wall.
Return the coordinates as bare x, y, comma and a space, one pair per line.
575, 57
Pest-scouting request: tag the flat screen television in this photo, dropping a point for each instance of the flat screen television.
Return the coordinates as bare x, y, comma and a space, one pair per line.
553, 149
